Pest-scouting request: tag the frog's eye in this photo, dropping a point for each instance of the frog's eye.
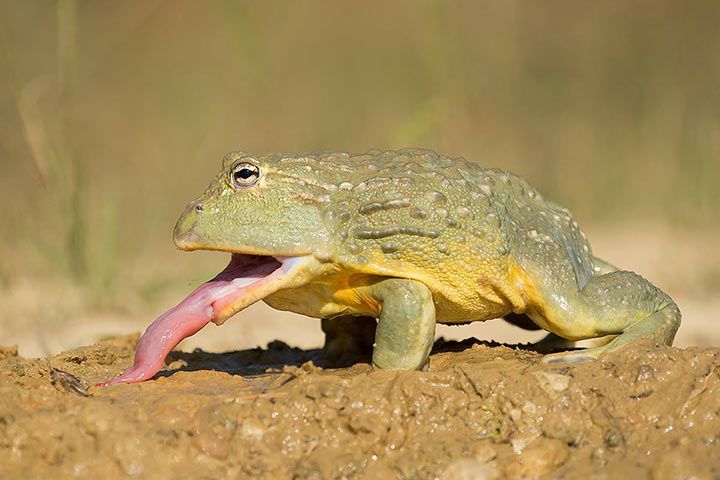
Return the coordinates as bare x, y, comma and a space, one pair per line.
244, 175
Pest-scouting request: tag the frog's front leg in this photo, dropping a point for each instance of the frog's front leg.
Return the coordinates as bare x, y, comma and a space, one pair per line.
406, 327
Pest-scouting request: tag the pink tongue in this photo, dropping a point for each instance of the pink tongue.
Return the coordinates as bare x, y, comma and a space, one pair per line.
189, 316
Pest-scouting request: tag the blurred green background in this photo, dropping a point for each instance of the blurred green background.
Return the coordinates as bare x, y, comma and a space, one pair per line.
114, 114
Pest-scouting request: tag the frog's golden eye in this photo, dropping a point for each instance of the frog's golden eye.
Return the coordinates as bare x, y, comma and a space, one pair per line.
244, 175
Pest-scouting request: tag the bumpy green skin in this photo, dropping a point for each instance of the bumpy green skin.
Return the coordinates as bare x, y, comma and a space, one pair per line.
413, 238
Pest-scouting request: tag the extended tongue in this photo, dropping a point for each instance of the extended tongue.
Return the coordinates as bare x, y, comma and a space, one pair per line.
234, 288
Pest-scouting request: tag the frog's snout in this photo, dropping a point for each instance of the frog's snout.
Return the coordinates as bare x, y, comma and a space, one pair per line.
186, 240
185, 236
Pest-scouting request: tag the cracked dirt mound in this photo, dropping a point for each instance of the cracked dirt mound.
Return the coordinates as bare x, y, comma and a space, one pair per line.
481, 411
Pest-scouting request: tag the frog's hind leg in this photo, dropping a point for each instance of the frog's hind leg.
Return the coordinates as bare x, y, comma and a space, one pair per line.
577, 306
552, 343
619, 303
601, 267
348, 337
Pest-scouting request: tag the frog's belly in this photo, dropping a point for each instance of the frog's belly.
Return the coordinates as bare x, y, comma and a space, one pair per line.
468, 305
451, 307
318, 301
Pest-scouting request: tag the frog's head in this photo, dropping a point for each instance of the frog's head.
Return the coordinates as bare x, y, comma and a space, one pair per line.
253, 206
268, 215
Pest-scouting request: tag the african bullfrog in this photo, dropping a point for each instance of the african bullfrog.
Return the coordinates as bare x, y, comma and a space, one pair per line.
382, 246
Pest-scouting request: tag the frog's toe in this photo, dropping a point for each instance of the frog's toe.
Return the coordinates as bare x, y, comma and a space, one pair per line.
565, 358
575, 356
554, 343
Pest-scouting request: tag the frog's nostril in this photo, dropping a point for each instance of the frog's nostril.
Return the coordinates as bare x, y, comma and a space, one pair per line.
199, 207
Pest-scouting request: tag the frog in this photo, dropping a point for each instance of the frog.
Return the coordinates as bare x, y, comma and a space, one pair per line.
382, 246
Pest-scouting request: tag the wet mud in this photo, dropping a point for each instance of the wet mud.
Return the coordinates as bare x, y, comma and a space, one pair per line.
482, 411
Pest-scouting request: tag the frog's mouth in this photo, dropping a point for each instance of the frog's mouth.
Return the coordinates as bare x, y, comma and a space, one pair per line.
246, 279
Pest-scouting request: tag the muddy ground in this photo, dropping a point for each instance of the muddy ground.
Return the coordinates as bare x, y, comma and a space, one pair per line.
481, 411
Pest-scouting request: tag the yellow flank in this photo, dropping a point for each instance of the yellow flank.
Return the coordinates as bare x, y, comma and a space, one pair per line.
527, 297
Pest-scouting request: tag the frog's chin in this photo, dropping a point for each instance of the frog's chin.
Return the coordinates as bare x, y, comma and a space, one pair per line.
246, 279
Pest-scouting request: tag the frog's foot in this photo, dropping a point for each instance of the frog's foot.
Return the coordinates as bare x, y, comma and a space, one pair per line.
347, 338
659, 326
575, 356
552, 343
247, 279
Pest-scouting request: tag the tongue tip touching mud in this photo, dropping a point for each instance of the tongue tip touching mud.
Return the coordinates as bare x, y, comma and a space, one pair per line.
229, 291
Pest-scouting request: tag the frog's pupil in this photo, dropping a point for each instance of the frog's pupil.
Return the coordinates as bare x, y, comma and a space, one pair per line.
245, 173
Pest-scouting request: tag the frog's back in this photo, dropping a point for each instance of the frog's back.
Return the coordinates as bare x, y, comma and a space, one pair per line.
443, 221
